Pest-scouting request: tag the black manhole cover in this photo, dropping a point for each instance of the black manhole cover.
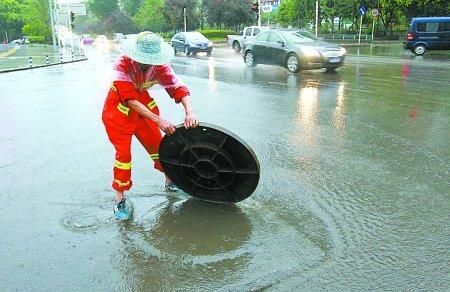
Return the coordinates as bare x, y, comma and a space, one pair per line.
210, 162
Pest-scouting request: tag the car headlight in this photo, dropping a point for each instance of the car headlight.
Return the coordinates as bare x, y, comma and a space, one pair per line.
342, 51
210, 43
310, 52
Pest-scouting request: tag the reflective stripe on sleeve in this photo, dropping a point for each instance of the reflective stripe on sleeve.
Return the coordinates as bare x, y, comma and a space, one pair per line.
123, 109
122, 165
154, 156
151, 104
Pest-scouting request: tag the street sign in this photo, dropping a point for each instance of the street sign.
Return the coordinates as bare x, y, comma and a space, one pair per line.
77, 9
267, 8
362, 10
375, 12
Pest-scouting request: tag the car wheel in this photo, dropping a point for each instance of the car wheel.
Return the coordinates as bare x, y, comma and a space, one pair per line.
293, 63
250, 59
236, 47
208, 53
420, 50
331, 69
186, 51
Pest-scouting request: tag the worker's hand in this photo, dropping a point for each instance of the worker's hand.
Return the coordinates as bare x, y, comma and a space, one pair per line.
166, 126
190, 121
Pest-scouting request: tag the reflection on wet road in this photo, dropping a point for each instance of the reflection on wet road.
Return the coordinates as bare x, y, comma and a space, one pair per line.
353, 195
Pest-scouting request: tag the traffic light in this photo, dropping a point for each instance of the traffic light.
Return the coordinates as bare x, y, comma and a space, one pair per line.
72, 18
255, 7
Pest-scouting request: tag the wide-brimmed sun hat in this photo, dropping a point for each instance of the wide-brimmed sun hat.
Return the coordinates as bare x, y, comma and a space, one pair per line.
148, 48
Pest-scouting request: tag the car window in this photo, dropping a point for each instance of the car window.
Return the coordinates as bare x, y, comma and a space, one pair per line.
248, 32
445, 26
256, 31
294, 37
275, 37
195, 36
262, 37
306, 34
427, 26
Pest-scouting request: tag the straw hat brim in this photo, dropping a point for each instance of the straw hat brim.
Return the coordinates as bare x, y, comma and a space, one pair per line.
163, 57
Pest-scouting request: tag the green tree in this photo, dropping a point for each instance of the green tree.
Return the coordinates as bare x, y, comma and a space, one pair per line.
414, 8
239, 13
149, 16
110, 17
103, 9
230, 13
37, 19
11, 19
174, 14
131, 6
297, 13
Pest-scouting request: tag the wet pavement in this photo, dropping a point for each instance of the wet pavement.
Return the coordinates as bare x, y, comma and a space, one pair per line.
353, 195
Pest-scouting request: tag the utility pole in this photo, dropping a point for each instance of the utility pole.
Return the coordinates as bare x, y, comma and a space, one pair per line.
259, 12
317, 16
69, 22
52, 23
184, 13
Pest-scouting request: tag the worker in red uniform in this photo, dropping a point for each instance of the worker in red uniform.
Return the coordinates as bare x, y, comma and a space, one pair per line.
130, 110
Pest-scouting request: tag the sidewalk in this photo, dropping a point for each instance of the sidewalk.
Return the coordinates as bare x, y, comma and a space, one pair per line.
34, 56
8, 52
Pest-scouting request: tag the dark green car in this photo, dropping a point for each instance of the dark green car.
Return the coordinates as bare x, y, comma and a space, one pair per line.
296, 50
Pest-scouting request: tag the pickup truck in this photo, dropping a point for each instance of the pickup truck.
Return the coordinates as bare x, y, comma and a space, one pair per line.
237, 41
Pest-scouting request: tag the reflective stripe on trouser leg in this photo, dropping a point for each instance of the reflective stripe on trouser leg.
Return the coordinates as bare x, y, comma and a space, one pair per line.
122, 165
149, 134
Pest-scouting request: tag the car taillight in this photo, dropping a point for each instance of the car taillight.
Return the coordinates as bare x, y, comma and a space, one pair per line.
409, 36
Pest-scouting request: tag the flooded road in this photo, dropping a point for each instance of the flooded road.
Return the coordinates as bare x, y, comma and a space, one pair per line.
353, 195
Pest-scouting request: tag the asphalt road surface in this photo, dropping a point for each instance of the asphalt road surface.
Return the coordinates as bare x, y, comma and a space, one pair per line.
353, 195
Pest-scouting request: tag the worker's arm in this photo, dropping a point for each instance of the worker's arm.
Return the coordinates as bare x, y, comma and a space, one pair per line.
166, 126
190, 121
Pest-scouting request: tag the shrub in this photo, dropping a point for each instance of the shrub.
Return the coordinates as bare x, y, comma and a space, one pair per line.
216, 34
38, 39
166, 35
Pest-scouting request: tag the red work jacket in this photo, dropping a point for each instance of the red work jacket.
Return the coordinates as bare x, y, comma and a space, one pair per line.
129, 82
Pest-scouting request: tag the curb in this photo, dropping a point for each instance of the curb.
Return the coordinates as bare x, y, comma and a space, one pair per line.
41, 66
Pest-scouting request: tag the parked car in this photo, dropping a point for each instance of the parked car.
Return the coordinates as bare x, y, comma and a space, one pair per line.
428, 33
87, 39
22, 40
237, 41
191, 42
294, 49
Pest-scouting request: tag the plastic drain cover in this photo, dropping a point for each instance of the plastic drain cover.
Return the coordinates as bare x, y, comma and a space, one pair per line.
210, 162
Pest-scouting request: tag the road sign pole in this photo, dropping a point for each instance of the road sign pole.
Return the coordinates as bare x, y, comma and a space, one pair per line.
373, 26
375, 13
360, 27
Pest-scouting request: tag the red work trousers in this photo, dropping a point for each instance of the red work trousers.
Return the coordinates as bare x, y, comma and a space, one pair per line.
148, 134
